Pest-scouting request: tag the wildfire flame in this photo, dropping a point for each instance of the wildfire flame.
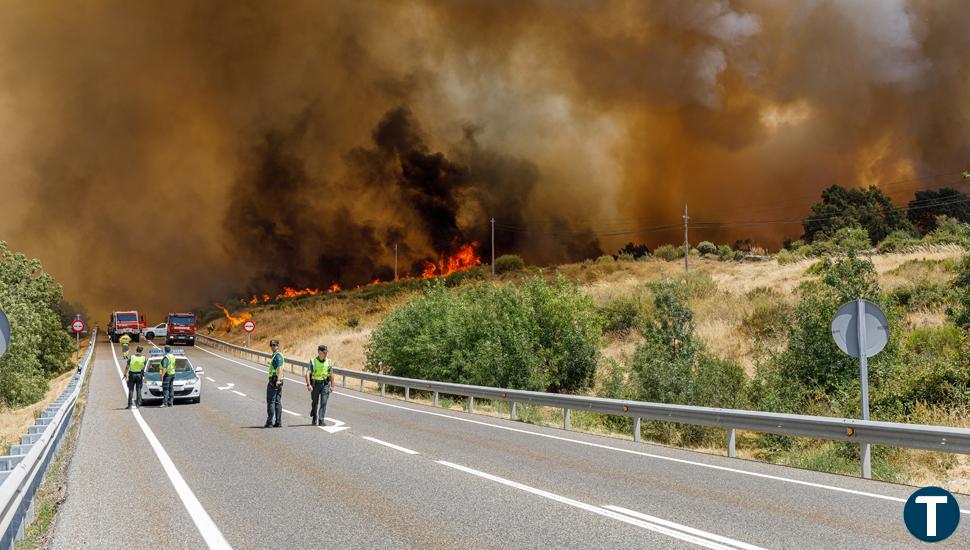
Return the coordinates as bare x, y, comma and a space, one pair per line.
293, 293
237, 320
463, 258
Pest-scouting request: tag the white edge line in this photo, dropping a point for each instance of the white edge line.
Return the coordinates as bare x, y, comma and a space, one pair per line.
590, 508
609, 447
207, 528
685, 528
391, 445
238, 393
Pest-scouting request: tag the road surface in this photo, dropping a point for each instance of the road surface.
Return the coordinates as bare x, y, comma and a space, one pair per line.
397, 474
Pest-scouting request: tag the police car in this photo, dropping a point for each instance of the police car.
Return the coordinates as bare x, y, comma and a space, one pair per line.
187, 386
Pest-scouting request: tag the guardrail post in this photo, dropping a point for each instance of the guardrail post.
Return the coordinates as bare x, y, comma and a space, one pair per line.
732, 450
435, 399
382, 389
867, 461
512, 414
407, 393
361, 385
471, 404
636, 430
565, 419
343, 380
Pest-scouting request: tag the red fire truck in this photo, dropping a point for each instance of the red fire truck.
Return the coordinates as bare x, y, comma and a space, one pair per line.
180, 328
125, 322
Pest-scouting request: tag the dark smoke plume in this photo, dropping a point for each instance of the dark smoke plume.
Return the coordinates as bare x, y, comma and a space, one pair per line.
234, 143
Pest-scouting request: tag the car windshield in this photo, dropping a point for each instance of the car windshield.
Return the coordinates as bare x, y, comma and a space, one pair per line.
127, 318
181, 365
180, 320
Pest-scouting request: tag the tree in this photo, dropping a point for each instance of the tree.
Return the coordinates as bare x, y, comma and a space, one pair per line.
869, 209
927, 205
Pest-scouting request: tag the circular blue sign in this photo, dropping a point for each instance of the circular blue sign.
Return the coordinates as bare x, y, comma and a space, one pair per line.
931, 514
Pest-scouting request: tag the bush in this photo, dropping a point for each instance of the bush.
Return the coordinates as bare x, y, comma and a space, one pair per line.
621, 315
923, 294
624, 257
898, 241
786, 257
668, 252
936, 368
605, 259
636, 250
845, 240
39, 347
539, 336
949, 231
725, 253
961, 286
707, 248
508, 263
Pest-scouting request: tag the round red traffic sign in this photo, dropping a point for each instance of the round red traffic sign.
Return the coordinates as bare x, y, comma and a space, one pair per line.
77, 325
249, 326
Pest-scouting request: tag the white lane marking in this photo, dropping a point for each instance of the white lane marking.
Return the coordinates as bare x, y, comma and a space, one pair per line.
391, 445
612, 448
226, 387
590, 508
207, 528
684, 528
210, 379
238, 393
291, 413
337, 426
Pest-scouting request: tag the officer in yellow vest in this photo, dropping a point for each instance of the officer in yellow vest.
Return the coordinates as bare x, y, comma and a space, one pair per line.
125, 340
167, 371
274, 387
135, 373
319, 381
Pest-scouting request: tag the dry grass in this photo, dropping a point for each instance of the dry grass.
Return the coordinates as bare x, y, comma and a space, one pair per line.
14, 422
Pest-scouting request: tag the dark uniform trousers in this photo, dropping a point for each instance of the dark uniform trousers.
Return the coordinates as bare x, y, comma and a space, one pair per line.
274, 402
134, 387
318, 400
168, 392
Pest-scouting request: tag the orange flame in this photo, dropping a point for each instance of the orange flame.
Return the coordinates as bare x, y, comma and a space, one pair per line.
237, 320
334, 288
463, 258
293, 293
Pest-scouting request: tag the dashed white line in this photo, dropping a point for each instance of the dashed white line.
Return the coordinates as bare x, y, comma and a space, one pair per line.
657, 528
210, 379
391, 445
238, 393
291, 413
207, 528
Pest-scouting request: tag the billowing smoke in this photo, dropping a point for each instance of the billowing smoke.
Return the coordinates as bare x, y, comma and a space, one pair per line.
160, 155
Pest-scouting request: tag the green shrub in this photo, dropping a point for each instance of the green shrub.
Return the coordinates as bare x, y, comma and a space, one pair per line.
624, 257
725, 253
605, 259
923, 294
707, 248
458, 278
845, 240
949, 231
960, 313
766, 321
540, 336
621, 315
898, 241
668, 252
353, 322
508, 263
935, 368
786, 257
39, 347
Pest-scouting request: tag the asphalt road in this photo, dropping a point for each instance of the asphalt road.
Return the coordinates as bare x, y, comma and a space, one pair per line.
399, 474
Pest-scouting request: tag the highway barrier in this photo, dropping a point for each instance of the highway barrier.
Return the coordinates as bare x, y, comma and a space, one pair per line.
23, 470
892, 434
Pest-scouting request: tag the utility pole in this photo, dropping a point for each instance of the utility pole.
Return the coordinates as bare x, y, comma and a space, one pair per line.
493, 247
686, 242
395, 261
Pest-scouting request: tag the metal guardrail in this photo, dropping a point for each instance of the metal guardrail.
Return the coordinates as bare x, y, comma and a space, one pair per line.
892, 434
23, 470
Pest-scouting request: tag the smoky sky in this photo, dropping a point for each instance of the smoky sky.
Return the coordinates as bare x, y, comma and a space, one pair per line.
158, 155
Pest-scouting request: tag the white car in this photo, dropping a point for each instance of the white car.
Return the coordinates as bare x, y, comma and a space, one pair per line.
160, 331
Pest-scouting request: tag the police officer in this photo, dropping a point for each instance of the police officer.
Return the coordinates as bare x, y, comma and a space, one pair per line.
125, 340
319, 380
167, 371
274, 387
134, 373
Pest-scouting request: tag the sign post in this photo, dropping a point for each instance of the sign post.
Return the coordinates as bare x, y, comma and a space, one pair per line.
861, 329
249, 326
77, 326
4, 332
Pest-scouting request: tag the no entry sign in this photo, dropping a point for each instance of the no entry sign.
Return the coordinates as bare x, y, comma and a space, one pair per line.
249, 326
77, 326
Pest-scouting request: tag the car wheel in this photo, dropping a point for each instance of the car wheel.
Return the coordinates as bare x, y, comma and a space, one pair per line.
150, 336
115, 338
